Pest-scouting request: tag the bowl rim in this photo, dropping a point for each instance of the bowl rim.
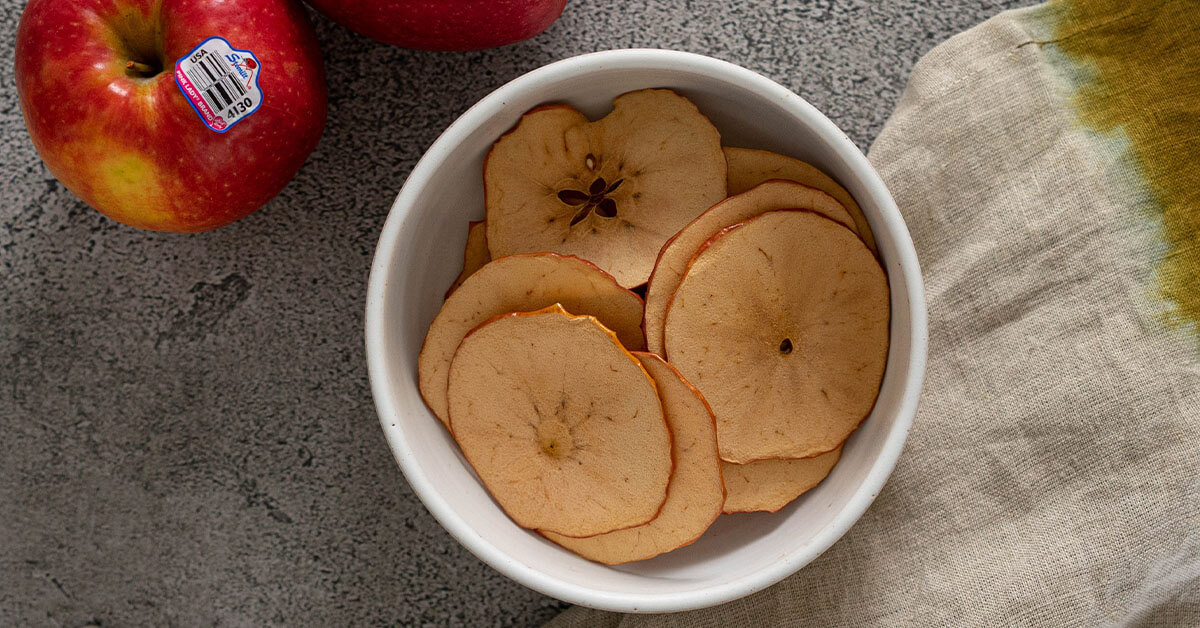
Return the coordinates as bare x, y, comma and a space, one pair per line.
379, 373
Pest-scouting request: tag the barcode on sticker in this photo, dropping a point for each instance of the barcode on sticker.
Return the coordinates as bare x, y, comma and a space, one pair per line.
220, 82
216, 82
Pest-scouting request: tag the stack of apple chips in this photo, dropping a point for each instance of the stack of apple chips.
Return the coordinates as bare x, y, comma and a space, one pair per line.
621, 428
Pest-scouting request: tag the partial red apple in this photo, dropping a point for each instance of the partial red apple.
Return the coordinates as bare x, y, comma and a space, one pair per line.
171, 115
444, 24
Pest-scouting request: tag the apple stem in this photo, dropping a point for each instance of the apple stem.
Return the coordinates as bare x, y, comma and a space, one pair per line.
140, 68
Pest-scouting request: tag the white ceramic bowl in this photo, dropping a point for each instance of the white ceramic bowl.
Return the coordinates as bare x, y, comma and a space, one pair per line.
420, 253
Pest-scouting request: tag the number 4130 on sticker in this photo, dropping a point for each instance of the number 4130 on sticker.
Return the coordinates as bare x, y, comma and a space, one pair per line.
221, 83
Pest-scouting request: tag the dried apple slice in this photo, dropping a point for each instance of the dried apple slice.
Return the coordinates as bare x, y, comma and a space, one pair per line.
522, 283
561, 423
782, 323
768, 485
749, 167
610, 191
695, 493
475, 255
675, 254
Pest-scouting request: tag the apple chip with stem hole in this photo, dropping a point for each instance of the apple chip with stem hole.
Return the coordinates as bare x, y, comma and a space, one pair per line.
749, 167
561, 423
522, 283
675, 254
782, 323
695, 493
475, 255
610, 191
768, 485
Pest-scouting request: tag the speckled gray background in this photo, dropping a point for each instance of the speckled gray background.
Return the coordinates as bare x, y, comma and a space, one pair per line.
186, 432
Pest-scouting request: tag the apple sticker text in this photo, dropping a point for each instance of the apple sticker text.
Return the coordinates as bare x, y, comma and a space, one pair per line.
221, 83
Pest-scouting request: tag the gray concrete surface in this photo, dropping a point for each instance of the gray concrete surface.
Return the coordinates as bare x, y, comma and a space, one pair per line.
186, 432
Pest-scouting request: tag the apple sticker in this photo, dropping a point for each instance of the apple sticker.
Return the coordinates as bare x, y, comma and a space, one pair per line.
220, 82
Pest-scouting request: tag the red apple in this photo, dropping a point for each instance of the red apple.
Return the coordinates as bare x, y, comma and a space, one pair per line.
444, 24
103, 86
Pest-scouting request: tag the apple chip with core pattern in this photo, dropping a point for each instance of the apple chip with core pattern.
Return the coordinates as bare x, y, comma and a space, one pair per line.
561, 423
749, 167
782, 323
522, 283
695, 493
677, 252
475, 255
768, 485
610, 191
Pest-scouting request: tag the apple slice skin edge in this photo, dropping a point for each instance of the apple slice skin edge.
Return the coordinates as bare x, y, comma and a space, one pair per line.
887, 349
885, 344
764, 197
669, 437
777, 505
627, 554
428, 363
747, 164
627, 244
475, 254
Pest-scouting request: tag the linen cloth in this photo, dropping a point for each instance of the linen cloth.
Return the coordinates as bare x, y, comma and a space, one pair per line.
1046, 164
